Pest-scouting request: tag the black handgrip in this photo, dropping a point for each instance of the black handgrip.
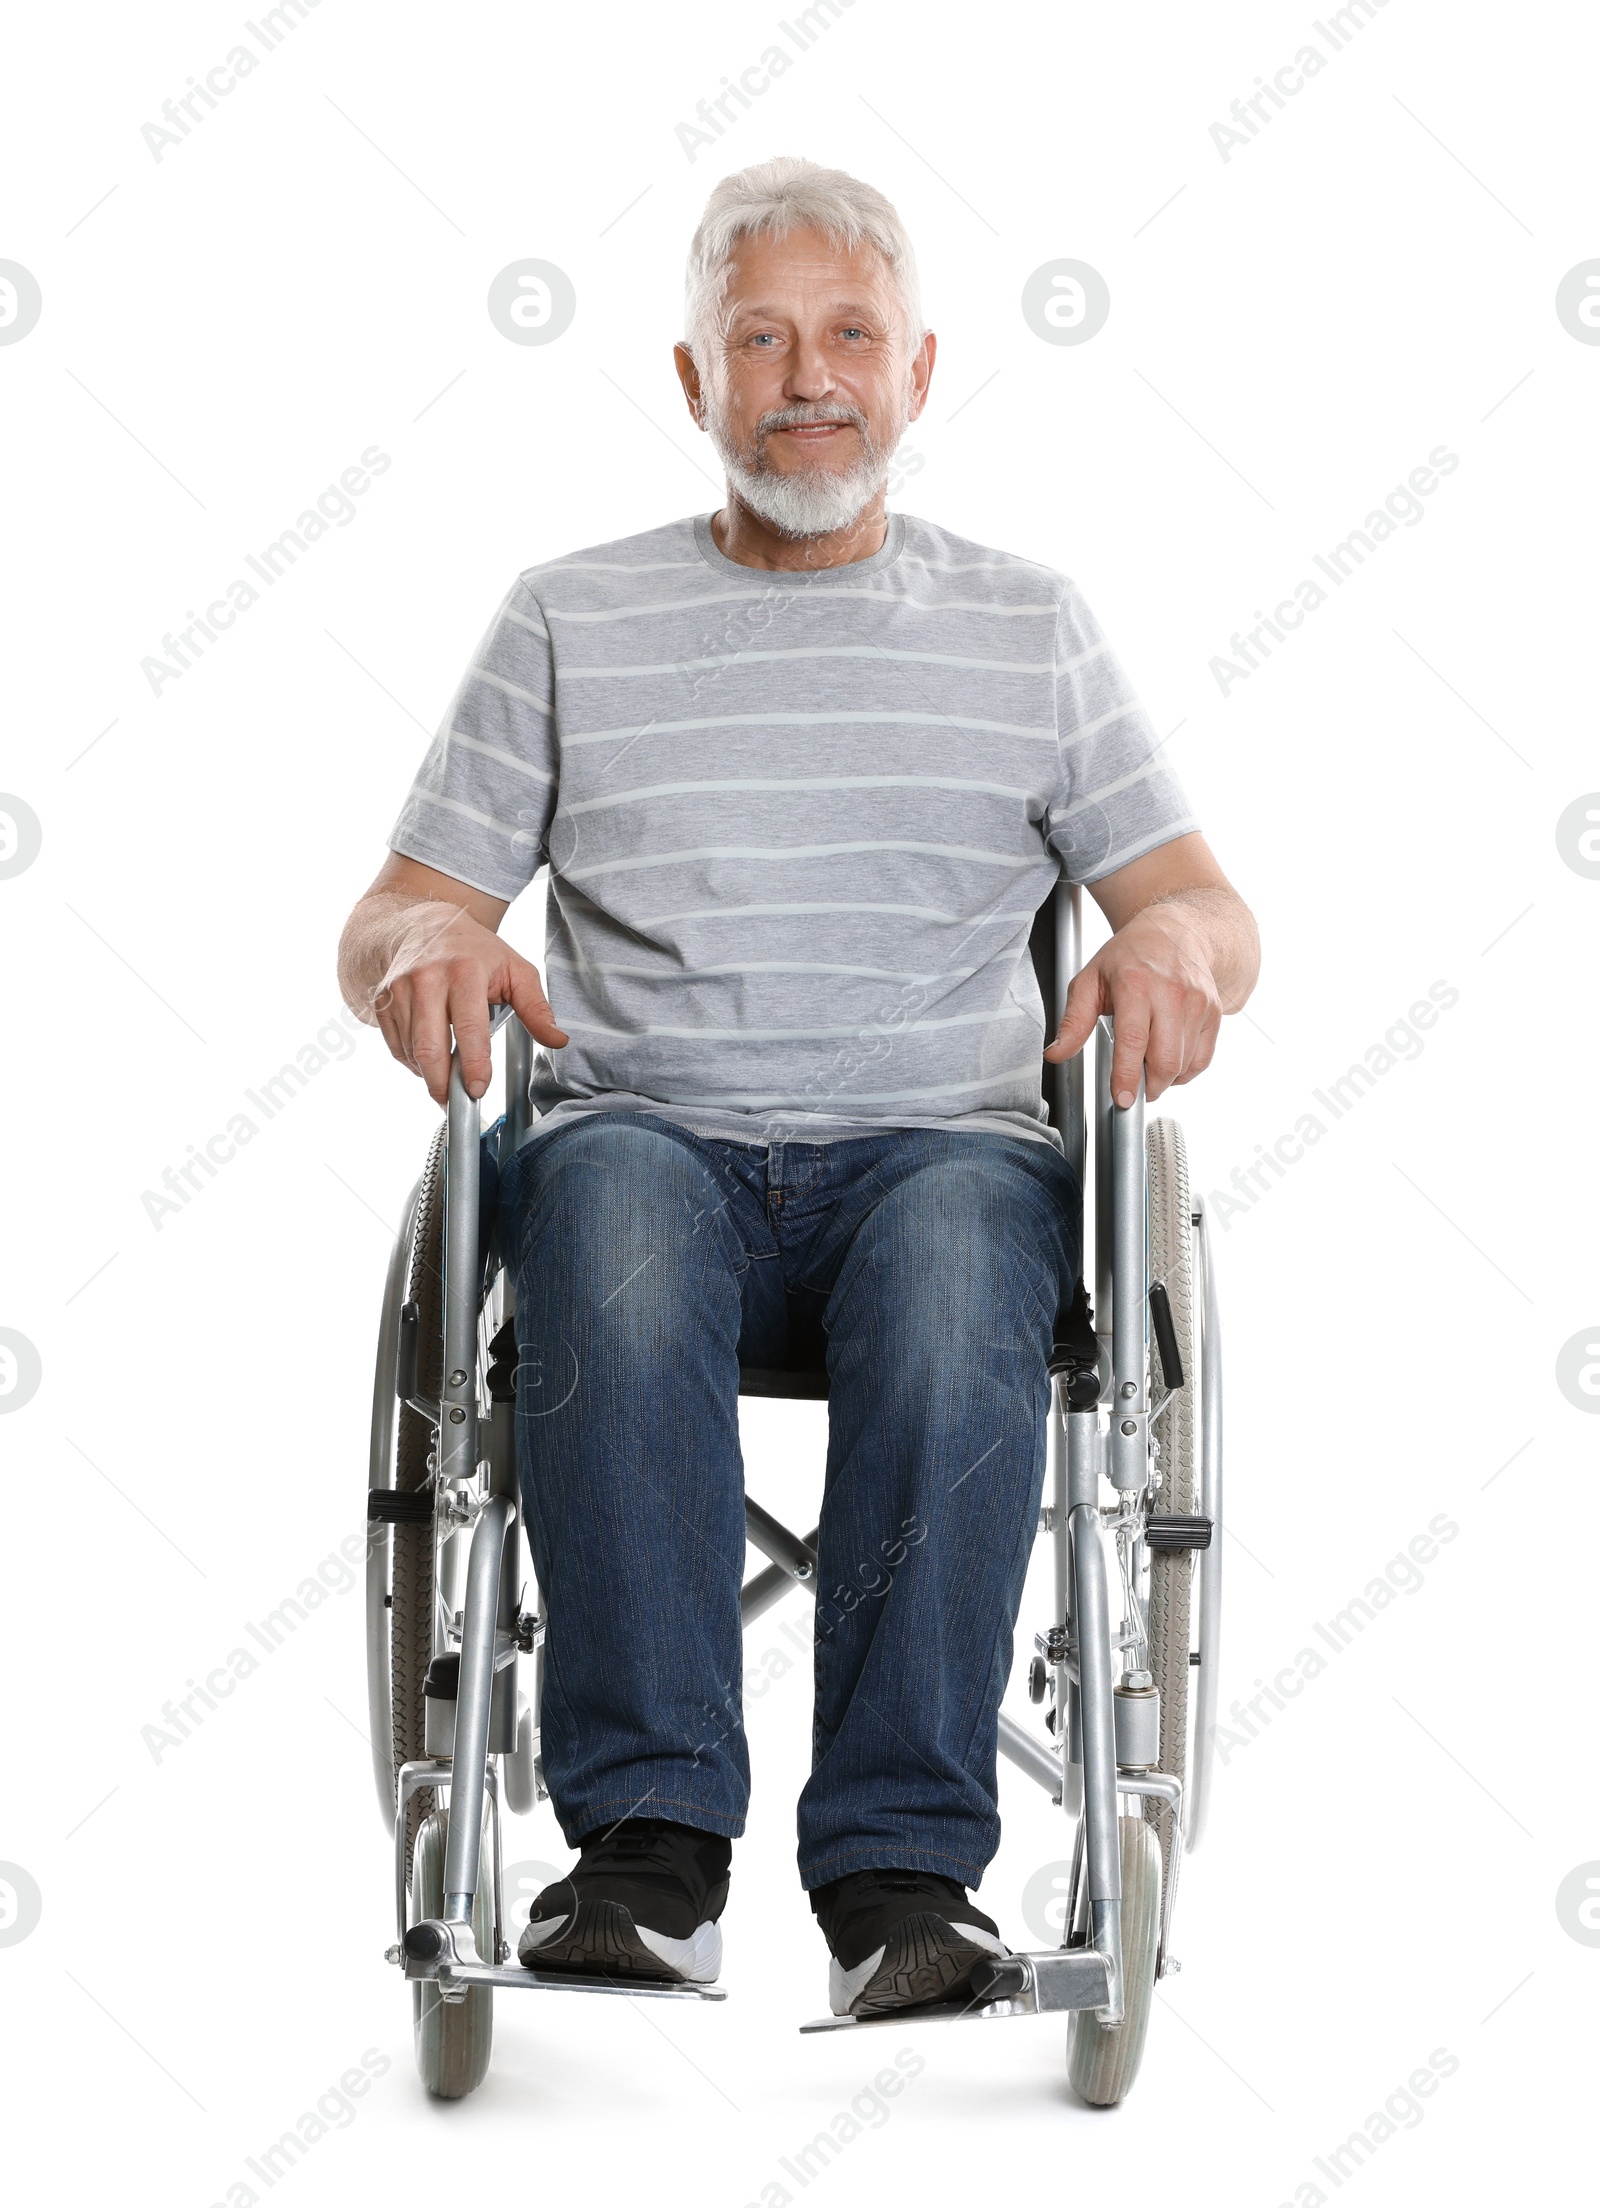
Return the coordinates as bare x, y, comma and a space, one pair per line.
1166, 1335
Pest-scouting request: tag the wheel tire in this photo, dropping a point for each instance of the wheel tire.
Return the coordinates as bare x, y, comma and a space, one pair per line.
1177, 1428
453, 2038
1103, 2059
411, 1618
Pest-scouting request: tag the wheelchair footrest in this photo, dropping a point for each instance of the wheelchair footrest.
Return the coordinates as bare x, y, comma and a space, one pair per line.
1048, 1984
445, 1953
512, 1977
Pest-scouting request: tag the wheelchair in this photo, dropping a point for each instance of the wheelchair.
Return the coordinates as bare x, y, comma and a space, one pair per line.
1126, 1667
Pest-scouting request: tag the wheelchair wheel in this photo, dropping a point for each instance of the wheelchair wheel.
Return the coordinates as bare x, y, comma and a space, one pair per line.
413, 1551
1103, 2059
452, 2037
1174, 1422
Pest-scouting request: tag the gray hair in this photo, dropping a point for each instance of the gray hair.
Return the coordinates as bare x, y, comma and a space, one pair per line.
777, 196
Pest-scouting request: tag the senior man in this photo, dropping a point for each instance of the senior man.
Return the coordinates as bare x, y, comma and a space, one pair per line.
802, 772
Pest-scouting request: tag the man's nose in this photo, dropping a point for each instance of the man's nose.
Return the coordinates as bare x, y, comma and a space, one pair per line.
810, 374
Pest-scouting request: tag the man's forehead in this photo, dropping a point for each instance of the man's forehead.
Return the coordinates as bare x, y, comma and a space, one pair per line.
763, 264
843, 303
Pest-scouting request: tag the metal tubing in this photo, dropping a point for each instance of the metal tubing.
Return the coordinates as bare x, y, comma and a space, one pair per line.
458, 1429
1083, 1459
798, 1558
1052, 1983
1103, 1303
1103, 1865
498, 1859
1060, 1501
1061, 1558
1210, 1638
758, 1595
480, 1638
1129, 1452
1078, 1454
1030, 1755
536, 1712
519, 1074
1069, 1077
429, 1771
1072, 1765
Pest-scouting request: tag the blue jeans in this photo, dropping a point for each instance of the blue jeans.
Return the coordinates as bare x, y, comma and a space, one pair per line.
649, 1265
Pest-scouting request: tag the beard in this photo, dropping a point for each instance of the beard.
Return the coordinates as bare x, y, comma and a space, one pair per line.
813, 500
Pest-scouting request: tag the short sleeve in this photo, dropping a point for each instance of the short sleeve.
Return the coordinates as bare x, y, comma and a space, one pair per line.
1116, 797
481, 805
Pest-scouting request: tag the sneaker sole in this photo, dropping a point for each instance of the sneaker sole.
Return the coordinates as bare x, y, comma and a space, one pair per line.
601, 1938
926, 1958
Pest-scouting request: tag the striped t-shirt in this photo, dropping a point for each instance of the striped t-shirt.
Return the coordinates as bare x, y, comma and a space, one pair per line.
797, 826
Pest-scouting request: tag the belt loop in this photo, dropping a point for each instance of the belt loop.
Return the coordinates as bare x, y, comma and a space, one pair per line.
774, 1165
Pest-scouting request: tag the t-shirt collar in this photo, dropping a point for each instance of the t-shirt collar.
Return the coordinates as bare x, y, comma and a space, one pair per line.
885, 556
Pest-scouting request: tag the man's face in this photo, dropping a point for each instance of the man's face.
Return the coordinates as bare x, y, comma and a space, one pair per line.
812, 382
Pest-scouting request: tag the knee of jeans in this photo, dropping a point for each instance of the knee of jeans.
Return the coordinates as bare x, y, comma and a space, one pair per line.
969, 1261
612, 1210
955, 1228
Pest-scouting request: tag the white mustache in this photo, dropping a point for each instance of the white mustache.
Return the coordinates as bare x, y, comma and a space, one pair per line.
809, 417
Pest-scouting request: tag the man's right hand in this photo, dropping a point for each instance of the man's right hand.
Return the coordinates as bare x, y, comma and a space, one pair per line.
421, 960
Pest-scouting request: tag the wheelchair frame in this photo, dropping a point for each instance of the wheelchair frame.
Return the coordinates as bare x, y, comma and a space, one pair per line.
475, 1490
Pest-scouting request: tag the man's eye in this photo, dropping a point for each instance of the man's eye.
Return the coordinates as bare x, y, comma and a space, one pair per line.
853, 331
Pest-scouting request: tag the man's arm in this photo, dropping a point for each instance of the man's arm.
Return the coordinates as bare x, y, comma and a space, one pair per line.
419, 957
1185, 951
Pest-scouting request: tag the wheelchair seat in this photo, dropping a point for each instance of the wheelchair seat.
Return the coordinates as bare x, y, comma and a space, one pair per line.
803, 1374
804, 1379
803, 1383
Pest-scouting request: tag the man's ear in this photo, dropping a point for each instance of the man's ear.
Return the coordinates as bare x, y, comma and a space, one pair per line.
921, 374
689, 377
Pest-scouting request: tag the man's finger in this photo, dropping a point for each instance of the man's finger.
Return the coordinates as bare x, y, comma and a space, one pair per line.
1079, 1014
396, 1010
469, 1020
532, 1006
1132, 1023
1202, 1051
389, 1029
1185, 1049
430, 1032
1165, 1049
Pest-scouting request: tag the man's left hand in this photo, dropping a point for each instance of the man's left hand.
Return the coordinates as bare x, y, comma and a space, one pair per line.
1185, 951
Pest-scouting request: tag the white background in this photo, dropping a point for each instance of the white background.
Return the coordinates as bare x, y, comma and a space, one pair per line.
1370, 277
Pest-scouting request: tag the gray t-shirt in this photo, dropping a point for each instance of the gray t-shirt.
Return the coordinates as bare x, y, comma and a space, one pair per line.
797, 825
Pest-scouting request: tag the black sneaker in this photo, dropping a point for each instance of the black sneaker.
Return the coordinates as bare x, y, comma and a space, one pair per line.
642, 1901
899, 1938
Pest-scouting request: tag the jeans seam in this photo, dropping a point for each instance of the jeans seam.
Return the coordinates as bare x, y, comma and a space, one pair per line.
879, 1855
647, 1805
